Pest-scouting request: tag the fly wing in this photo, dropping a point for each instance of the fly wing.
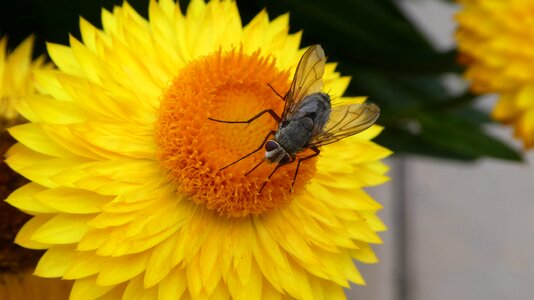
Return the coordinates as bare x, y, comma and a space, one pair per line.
308, 79
346, 120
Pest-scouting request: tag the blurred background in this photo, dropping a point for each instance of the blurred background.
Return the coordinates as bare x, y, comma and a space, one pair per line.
459, 206
456, 230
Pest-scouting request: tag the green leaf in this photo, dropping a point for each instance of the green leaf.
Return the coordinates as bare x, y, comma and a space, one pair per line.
406, 96
370, 34
463, 137
403, 141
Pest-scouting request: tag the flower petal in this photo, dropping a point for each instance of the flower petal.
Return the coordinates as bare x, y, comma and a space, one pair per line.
55, 261
24, 199
62, 229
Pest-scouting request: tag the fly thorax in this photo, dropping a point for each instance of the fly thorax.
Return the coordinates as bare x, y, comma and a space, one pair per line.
275, 153
306, 123
295, 135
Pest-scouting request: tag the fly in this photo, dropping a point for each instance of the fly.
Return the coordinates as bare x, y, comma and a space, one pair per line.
308, 120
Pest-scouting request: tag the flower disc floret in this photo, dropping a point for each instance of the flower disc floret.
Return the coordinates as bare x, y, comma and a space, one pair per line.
227, 86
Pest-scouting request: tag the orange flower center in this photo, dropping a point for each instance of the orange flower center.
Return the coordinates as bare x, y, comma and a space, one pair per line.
226, 86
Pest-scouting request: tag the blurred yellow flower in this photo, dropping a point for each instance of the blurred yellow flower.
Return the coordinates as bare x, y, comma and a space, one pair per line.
496, 41
16, 263
16, 77
25, 286
127, 193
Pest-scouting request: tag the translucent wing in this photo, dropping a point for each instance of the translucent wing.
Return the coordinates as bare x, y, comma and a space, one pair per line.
346, 120
308, 79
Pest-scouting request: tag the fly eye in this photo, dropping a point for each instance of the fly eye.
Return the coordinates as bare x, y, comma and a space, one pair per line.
271, 145
285, 159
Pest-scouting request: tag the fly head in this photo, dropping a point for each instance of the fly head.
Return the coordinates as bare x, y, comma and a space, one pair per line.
275, 153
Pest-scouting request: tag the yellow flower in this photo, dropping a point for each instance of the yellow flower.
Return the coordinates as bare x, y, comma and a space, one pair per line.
497, 43
127, 191
16, 78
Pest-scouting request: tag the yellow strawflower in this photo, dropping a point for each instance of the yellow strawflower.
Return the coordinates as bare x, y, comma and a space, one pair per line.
127, 192
496, 41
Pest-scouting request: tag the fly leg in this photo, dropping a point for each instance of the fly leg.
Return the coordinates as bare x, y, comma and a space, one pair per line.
281, 97
255, 167
272, 132
317, 151
269, 111
277, 94
270, 175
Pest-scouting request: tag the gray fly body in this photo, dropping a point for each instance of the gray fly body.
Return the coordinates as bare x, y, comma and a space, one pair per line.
308, 120
295, 133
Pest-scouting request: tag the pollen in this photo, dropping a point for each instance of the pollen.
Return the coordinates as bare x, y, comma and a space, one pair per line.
230, 86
